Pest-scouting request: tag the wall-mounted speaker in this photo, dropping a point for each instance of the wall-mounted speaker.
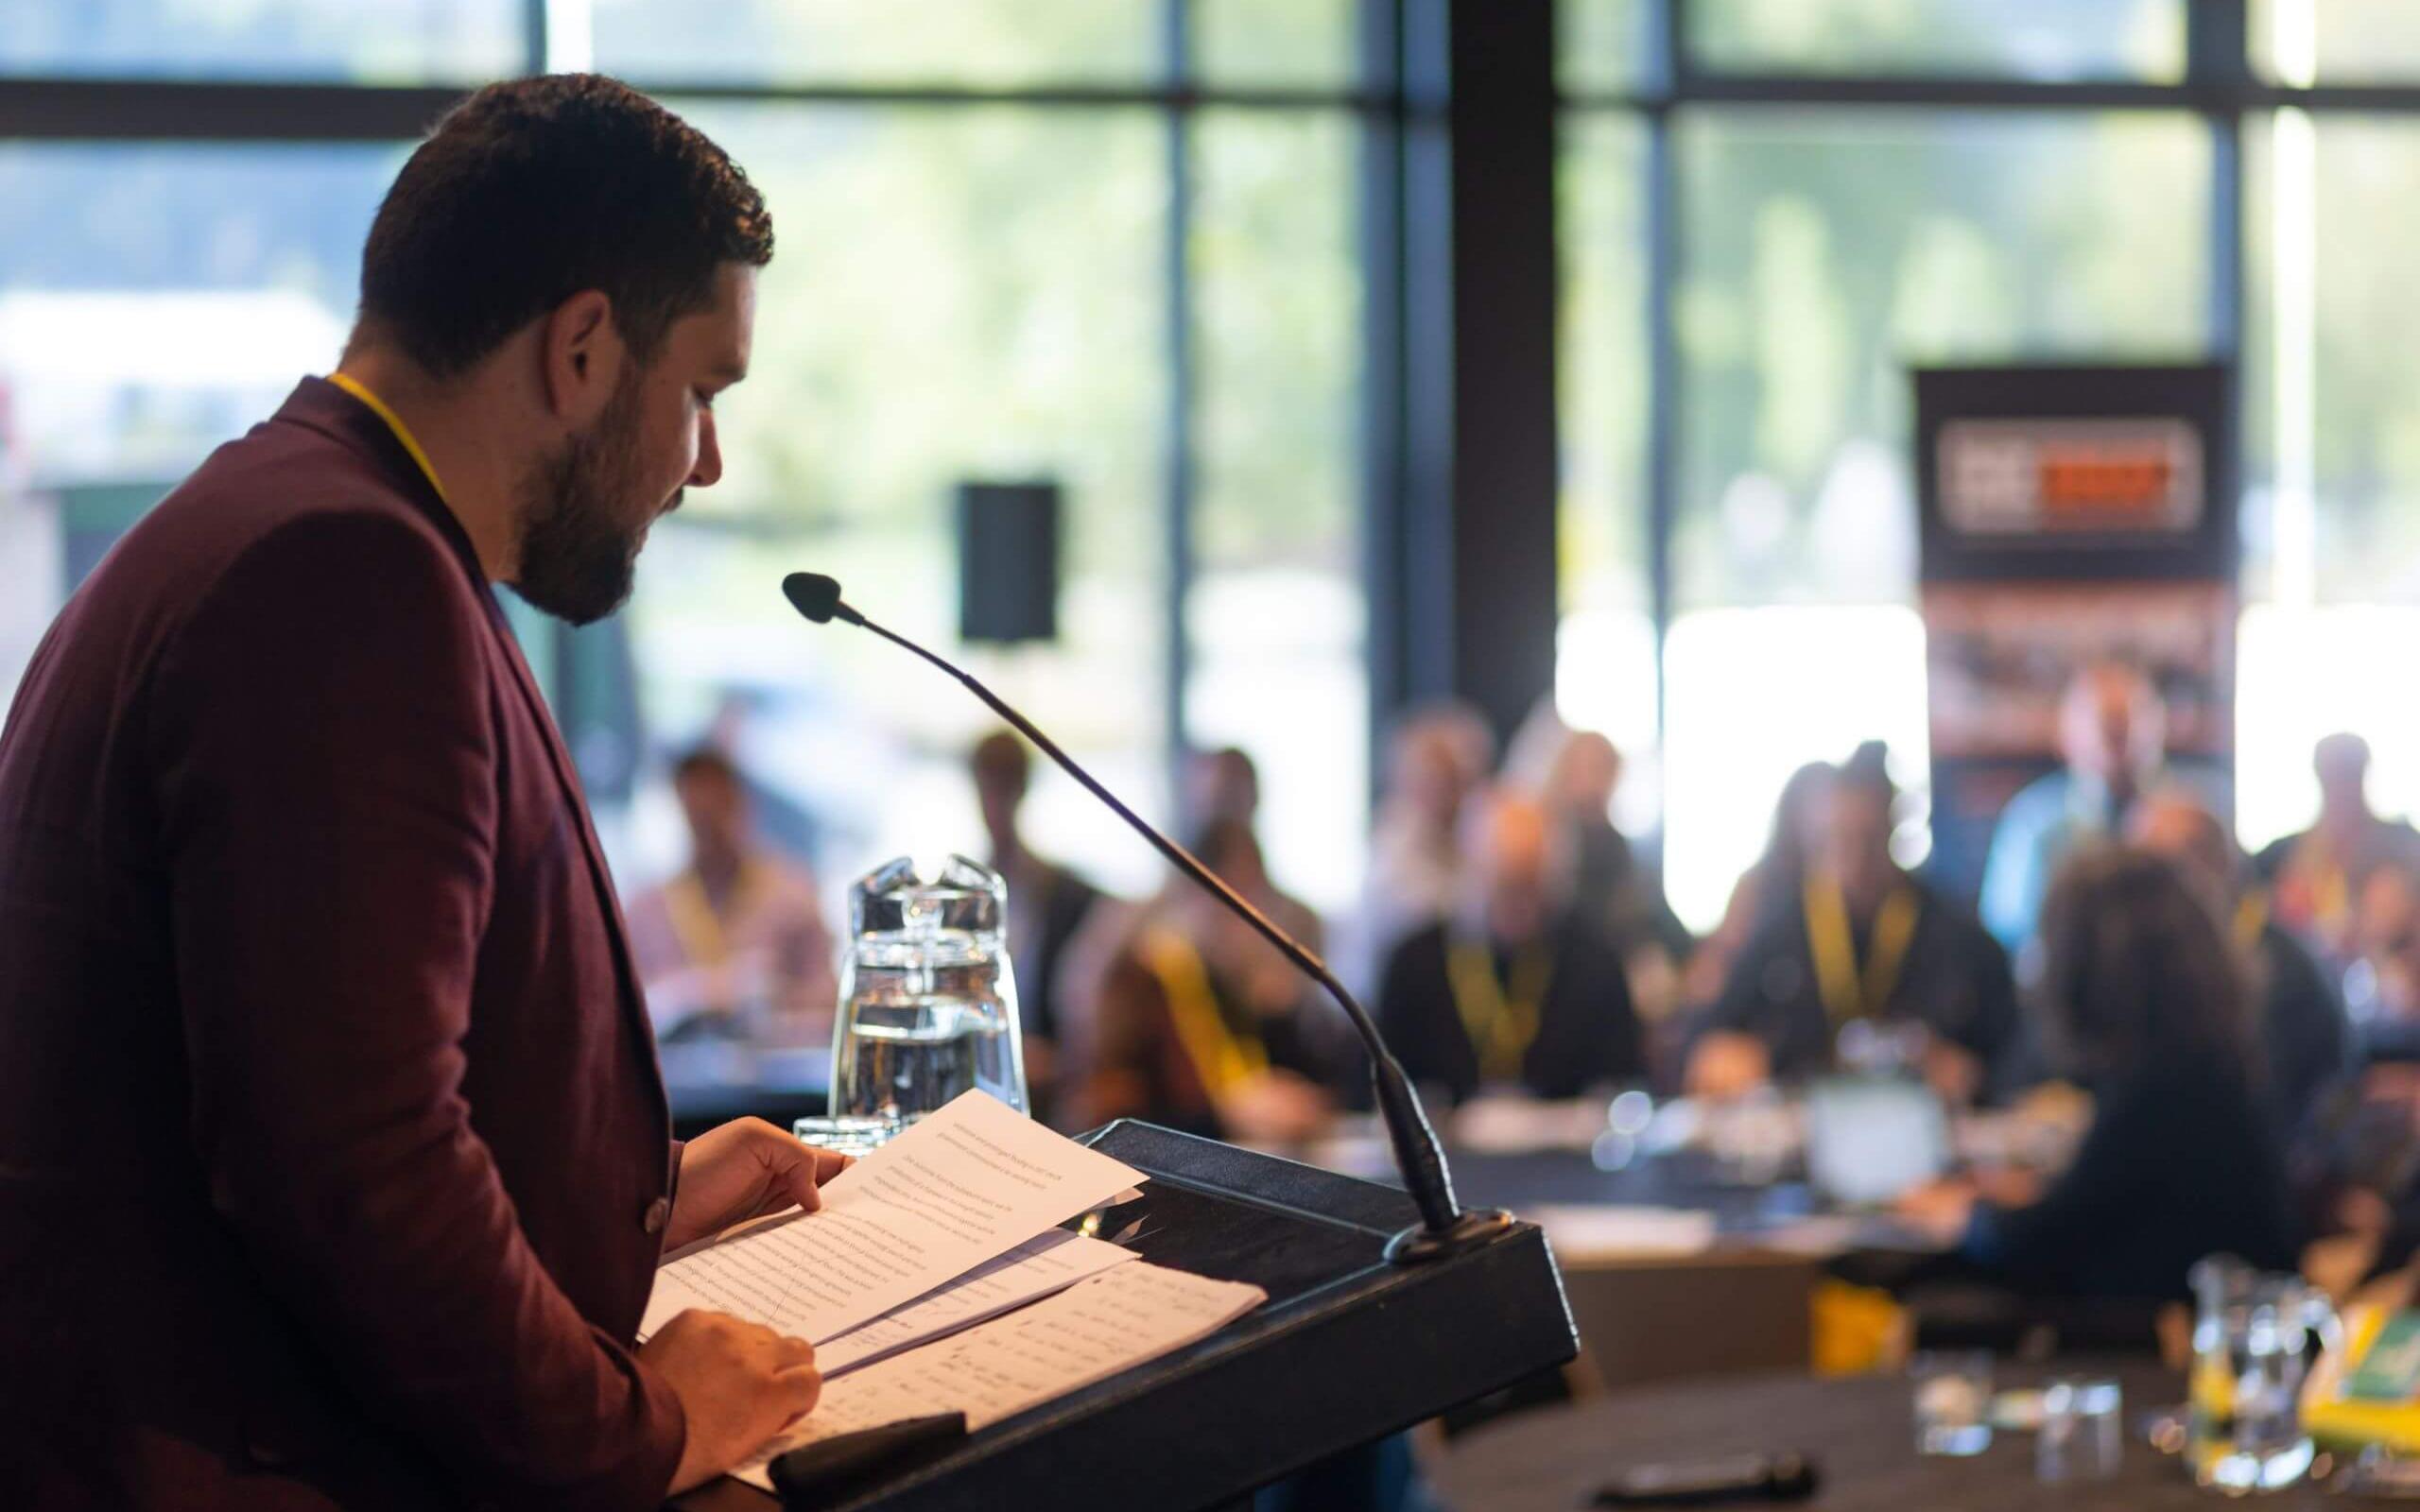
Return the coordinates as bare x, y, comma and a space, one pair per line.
1007, 561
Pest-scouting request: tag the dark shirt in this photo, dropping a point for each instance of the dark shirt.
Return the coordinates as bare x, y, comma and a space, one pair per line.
1612, 884
1064, 900
1954, 980
2305, 1037
1587, 1035
2179, 1164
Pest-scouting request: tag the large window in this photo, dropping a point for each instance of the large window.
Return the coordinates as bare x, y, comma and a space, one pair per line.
2332, 421
154, 301
893, 363
1605, 645
1850, 189
1111, 245
1275, 614
364, 41
1823, 253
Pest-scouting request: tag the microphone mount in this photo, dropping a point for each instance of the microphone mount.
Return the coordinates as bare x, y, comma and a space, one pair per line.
1444, 1225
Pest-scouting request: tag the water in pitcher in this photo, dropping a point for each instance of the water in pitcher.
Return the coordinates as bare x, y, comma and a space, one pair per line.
919, 1035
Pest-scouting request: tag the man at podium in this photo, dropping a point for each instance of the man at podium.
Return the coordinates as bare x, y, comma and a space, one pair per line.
335, 1167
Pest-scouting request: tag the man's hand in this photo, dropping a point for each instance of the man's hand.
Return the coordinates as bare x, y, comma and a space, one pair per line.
1725, 1065
739, 1384
1952, 1072
1939, 1210
744, 1170
1275, 1107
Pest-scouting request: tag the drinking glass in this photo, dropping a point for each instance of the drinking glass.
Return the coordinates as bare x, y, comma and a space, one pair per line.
1953, 1400
2082, 1437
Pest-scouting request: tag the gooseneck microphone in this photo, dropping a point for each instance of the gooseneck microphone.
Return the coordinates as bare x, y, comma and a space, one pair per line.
1444, 1224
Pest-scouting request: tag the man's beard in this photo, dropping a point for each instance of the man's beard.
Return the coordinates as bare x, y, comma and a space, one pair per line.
577, 555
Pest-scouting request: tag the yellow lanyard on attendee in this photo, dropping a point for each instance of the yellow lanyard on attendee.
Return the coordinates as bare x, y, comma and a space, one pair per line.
1849, 993
2322, 876
704, 941
1500, 1016
394, 422
2251, 920
1221, 1057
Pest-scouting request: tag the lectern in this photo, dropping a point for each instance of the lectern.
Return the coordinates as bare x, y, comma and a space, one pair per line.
1347, 1348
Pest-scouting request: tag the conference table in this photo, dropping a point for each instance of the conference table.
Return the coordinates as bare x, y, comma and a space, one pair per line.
1858, 1431
1676, 1264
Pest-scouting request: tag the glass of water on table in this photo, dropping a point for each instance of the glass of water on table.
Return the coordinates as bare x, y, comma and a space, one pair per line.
1953, 1402
928, 1004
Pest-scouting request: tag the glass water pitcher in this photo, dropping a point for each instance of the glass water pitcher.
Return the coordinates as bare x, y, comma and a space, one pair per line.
929, 1001
2253, 1336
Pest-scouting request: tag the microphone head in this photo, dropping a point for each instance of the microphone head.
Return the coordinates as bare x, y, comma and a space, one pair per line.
813, 594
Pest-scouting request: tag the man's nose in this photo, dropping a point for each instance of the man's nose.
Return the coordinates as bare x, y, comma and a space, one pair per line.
709, 464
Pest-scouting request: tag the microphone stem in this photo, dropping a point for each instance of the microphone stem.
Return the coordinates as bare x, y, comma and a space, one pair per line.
1415, 1142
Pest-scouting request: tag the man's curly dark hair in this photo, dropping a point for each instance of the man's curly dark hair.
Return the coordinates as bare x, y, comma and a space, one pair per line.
534, 190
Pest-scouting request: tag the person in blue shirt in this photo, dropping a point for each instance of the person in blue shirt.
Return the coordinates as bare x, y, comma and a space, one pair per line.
2113, 736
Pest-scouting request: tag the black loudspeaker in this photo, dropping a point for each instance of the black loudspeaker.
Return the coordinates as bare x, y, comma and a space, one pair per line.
1007, 561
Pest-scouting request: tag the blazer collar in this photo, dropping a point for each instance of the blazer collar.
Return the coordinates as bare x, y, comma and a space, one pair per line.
320, 405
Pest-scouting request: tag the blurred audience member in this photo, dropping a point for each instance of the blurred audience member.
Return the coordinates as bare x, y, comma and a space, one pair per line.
1609, 883
1439, 756
2355, 1166
1868, 944
1048, 904
2384, 980
1512, 988
2113, 736
1221, 784
738, 931
1201, 1024
2299, 1019
2315, 877
2141, 1002
1773, 885
1223, 787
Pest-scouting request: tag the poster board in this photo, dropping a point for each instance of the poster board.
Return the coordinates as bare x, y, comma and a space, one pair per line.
2068, 513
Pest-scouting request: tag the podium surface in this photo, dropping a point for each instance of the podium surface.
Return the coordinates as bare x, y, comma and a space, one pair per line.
1347, 1348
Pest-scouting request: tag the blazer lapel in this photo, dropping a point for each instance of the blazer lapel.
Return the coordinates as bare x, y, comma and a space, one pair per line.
600, 877
324, 408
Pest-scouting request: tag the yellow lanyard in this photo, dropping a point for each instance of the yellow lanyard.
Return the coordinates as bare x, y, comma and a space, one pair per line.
2251, 918
1500, 1018
1221, 1057
703, 939
394, 422
2330, 895
1847, 992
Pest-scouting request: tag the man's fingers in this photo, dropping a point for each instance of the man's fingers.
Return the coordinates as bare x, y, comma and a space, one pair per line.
791, 1351
802, 1387
798, 1180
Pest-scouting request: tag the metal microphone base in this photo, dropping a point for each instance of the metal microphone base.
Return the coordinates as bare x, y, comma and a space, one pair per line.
1420, 1243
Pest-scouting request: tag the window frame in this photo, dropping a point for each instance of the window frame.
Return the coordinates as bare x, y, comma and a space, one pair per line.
81, 109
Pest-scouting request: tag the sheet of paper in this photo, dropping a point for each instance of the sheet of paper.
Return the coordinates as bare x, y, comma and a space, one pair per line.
965, 1184
1051, 1260
1090, 1331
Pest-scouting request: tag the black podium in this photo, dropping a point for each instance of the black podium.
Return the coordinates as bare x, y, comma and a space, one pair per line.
1347, 1348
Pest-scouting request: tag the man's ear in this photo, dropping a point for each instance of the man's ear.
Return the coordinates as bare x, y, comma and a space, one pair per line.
581, 354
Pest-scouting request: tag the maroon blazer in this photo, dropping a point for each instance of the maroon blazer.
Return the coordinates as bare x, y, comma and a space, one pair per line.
333, 1152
